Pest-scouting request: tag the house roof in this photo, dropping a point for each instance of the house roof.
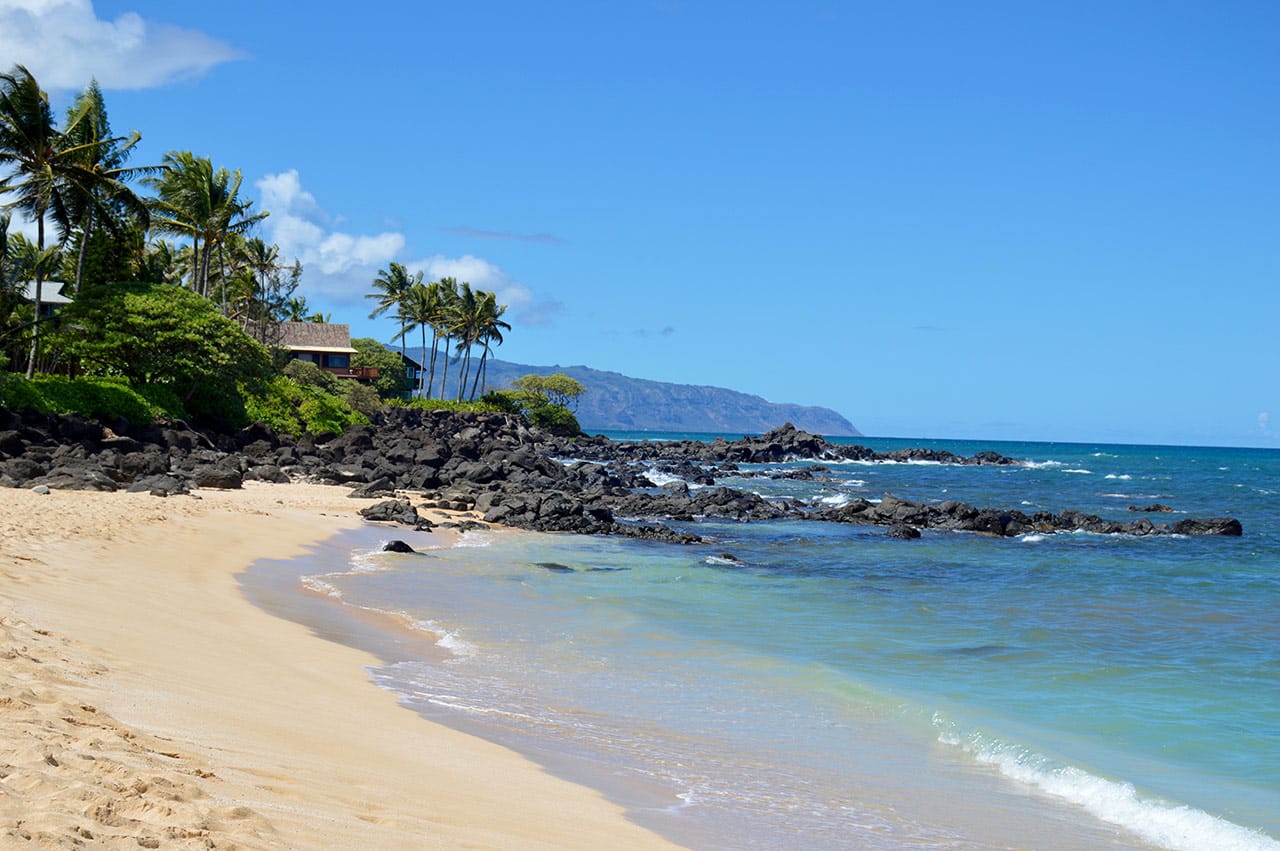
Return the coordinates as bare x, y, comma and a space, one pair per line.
315, 337
49, 292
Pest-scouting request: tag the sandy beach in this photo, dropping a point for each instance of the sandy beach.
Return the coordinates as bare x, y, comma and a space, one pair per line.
145, 703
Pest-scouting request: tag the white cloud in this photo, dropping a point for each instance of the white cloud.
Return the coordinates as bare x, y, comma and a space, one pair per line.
65, 44
1264, 423
335, 265
340, 266
483, 275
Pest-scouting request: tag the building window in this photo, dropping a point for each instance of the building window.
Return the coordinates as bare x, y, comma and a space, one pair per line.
343, 361
309, 357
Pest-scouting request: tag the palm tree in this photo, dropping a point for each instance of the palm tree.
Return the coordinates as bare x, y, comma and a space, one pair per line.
203, 204
446, 322
391, 289
35, 152
296, 310
102, 157
468, 316
490, 328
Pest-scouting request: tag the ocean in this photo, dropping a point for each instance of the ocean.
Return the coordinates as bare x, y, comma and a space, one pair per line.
796, 684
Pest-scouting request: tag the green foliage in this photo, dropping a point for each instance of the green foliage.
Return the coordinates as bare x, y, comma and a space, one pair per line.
288, 406
162, 398
479, 406
310, 374
105, 399
155, 334
361, 397
392, 381
556, 419
558, 389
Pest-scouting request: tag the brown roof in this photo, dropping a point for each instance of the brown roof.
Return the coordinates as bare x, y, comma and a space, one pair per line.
310, 335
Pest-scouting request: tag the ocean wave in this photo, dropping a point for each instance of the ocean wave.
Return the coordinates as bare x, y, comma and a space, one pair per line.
836, 499
1081, 472
1031, 539
1042, 465
1164, 823
660, 478
319, 586
1123, 476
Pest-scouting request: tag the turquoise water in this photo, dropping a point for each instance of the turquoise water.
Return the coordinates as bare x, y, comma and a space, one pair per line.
830, 687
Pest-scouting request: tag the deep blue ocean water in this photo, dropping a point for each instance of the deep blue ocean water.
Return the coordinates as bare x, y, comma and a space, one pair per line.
829, 687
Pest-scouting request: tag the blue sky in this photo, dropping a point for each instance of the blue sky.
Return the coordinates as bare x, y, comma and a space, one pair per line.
1055, 221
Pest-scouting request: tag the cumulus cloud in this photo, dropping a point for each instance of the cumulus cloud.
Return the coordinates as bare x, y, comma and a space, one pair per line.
65, 44
339, 266
336, 265
481, 274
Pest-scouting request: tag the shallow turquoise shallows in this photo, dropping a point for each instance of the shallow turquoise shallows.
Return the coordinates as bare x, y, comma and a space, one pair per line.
807, 685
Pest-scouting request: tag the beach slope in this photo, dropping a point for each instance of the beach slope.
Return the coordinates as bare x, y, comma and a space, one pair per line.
145, 703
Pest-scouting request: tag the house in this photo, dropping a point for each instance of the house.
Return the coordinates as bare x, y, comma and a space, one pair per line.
413, 371
51, 298
326, 345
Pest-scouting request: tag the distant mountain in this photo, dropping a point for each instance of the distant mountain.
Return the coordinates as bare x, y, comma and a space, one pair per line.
615, 402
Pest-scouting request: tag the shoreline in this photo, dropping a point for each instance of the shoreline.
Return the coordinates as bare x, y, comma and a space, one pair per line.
149, 703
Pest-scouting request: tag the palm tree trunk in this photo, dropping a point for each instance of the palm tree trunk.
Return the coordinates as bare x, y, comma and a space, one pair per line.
422, 376
444, 373
435, 347
35, 327
84, 246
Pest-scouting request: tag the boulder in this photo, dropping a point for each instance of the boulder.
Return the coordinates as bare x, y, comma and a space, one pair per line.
397, 547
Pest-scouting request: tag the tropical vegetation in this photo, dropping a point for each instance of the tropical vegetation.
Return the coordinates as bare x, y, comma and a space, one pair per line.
174, 303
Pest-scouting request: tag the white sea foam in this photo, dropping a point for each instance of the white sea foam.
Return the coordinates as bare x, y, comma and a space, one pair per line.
1123, 477
836, 499
318, 585
720, 560
1042, 465
1024, 502
1081, 472
1031, 539
660, 478
473, 539
1163, 823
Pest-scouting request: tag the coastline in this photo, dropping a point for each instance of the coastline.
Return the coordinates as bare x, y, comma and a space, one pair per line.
148, 703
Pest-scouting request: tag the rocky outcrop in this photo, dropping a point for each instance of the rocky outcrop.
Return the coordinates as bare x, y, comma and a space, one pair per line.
509, 473
784, 443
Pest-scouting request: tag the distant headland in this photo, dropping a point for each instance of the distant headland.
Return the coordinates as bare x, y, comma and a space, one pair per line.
616, 402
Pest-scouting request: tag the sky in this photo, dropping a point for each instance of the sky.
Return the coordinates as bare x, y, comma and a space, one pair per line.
990, 220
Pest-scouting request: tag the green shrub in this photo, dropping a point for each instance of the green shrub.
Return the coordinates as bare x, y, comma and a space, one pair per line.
105, 399
479, 406
17, 393
288, 406
162, 397
556, 419
310, 374
360, 397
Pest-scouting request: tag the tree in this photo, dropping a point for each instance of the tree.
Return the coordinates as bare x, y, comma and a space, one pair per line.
391, 288
102, 195
444, 324
420, 310
195, 201
158, 334
557, 389
392, 381
42, 169
489, 332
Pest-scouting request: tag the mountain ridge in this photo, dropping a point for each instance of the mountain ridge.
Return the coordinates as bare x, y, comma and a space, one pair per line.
618, 402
